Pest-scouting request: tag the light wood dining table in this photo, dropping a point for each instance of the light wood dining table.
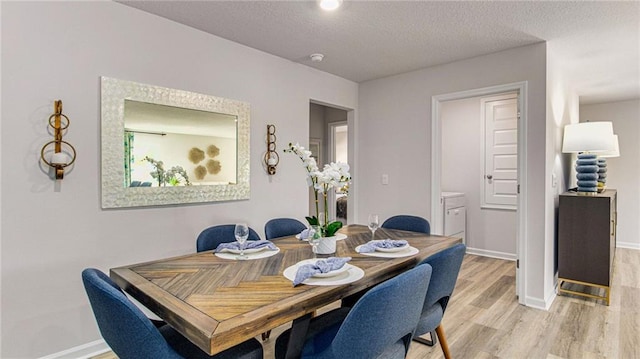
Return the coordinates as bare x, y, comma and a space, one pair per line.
218, 303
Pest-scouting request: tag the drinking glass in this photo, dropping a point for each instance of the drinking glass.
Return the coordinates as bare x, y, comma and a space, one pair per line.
242, 233
373, 224
314, 240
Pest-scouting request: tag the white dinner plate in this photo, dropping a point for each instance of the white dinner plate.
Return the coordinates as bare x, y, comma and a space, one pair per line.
334, 273
405, 252
349, 275
254, 255
339, 237
246, 251
393, 249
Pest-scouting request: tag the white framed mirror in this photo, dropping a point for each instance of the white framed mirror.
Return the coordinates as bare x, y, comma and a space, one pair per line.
163, 146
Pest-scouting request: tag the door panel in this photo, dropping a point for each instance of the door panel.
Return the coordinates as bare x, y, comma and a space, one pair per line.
500, 152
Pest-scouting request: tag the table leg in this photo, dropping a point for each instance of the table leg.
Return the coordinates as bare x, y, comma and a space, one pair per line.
297, 334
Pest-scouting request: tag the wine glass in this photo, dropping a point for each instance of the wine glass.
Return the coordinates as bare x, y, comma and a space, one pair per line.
314, 240
373, 224
241, 232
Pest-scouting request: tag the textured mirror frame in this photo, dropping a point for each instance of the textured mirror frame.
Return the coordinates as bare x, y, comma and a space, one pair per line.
115, 195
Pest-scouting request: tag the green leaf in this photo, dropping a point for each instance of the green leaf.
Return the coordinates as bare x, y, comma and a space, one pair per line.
332, 228
313, 221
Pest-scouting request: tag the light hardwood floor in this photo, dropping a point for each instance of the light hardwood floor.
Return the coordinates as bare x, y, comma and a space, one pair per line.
484, 319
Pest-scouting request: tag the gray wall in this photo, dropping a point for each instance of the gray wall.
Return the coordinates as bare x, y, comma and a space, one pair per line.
394, 135
622, 172
58, 50
489, 231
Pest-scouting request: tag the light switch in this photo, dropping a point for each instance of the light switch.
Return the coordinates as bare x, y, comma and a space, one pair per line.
385, 179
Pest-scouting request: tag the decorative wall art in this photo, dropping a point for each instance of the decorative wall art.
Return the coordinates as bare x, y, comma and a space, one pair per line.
211, 166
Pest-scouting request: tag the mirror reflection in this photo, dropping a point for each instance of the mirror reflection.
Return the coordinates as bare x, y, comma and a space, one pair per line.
164, 146
173, 146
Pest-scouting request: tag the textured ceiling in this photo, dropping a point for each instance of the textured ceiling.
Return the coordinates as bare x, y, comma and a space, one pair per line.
363, 40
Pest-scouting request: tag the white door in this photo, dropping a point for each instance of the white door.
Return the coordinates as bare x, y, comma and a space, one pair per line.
500, 152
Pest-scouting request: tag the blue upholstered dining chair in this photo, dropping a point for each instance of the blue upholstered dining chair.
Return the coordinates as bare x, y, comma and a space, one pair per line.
211, 237
446, 266
282, 227
408, 223
131, 335
380, 325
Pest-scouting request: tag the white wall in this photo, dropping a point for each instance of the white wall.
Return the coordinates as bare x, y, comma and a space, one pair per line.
58, 50
488, 229
394, 137
561, 109
622, 172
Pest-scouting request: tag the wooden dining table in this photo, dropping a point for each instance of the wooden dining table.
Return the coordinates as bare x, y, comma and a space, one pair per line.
218, 303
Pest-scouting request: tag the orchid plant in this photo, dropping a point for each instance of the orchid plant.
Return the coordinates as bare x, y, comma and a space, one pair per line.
333, 175
171, 176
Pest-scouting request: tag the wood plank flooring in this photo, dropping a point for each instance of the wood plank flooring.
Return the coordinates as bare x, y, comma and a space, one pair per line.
484, 319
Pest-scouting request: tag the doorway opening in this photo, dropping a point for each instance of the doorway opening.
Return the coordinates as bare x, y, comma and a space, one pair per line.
517, 187
329, 142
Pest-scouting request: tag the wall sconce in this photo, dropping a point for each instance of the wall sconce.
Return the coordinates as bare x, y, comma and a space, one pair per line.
58, 159
271, 158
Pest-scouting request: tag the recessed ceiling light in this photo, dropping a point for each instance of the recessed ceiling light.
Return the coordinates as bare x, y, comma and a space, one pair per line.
330, 5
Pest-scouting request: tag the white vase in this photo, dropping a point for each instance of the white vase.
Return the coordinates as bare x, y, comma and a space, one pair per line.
327, 245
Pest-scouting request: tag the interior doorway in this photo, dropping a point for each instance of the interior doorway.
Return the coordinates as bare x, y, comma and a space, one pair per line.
479, 156
329, 142
520, 185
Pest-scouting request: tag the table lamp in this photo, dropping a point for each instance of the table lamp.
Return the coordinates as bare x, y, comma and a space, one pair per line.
602, 163
588, 139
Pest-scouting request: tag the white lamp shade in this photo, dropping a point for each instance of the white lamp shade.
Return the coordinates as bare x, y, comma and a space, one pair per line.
616, 149
588, 137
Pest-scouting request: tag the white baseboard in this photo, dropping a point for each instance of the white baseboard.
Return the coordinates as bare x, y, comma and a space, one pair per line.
628, 245
535, 303
492, 254
83, 351
543, 304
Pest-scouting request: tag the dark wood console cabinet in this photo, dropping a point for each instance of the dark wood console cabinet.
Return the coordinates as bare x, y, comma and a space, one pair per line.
587, 241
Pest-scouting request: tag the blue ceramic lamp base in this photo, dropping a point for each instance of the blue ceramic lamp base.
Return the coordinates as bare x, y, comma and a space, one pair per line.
602, 174
587, 173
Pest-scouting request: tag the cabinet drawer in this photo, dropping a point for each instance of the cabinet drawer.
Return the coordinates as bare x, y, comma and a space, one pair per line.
453, 202
454, 220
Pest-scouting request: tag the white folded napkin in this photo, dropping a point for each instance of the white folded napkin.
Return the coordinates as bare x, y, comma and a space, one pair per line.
222, 247
330, 264
371, 246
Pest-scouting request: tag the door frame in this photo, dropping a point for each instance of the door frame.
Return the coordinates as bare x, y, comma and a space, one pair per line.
436, 169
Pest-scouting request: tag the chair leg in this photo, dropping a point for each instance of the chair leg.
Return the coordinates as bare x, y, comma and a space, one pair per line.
430, 342
443, 342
